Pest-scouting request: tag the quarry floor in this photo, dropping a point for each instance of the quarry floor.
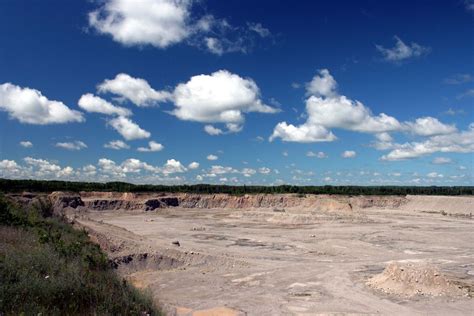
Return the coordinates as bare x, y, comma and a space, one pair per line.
275, 262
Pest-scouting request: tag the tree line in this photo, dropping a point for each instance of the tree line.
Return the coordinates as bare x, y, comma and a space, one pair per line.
16, 186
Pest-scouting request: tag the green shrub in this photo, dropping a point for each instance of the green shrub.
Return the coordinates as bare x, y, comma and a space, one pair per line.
48, 267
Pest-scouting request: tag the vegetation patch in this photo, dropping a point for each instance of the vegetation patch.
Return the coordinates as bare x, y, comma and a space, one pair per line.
49, 268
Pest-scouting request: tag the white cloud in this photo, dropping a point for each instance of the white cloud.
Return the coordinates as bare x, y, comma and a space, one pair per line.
26, 144
322, 85
44, 168
402, 51
75, 145
89, 170
193, 165
173, 166
117, 145
160, 23
152, 147
384, 137
442, 161
221, 97
434, 175
211, 130
212, 157
128, 129
222, 170
330, 110
429, 126
136, 90
248, 172
318, 154
9, 168
341, 112
92, 103
305, 133
30, 106
326, 109
264, 170
460, 142
348, 154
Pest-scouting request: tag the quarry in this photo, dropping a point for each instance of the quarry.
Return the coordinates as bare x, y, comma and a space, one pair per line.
284, 254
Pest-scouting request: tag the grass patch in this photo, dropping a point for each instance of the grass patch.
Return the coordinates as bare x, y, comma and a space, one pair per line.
48, 267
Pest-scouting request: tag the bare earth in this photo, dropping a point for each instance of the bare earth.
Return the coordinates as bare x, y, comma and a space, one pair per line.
413, 256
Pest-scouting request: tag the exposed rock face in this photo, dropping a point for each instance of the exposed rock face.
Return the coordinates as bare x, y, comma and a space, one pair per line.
152, 201
63, 200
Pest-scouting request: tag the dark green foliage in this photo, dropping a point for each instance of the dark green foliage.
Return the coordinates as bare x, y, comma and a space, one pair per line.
49, 186
48, 267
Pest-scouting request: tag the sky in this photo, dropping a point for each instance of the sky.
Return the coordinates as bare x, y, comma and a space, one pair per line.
238, 92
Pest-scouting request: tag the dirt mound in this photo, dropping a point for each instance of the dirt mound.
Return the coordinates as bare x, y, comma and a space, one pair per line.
410, 279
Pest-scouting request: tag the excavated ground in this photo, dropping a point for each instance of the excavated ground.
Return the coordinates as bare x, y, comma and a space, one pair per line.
288, 255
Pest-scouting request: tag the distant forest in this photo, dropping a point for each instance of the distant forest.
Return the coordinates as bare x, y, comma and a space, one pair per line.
15, 186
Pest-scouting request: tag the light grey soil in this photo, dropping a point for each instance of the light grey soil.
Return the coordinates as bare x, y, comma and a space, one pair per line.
281, 262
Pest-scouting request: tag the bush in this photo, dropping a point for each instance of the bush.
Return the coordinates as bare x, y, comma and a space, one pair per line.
48, 267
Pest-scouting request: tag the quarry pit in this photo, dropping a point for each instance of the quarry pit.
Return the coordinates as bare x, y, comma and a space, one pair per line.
285, 254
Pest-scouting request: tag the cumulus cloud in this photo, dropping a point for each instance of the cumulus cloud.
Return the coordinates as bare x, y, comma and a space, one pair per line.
221, 97
26, 144
212, 157
160, 23
75, 145
9, 169
31, 107
305, 133
173, 166
434, 175
128, 129
92, 103
318, 154
322, 84
326, 109
136, 90
163, 23
348, 154
45, 169
429, 126
402, 51
264, 170
193, 165
384, 137
152, 147
211, 130
117, 145
459, 142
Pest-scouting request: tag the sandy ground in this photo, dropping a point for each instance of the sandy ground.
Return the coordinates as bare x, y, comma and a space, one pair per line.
267, 262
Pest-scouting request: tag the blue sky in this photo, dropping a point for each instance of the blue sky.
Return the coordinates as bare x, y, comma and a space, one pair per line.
168, 91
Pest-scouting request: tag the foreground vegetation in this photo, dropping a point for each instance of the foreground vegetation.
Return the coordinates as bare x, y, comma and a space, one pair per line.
49, 268
49, 186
